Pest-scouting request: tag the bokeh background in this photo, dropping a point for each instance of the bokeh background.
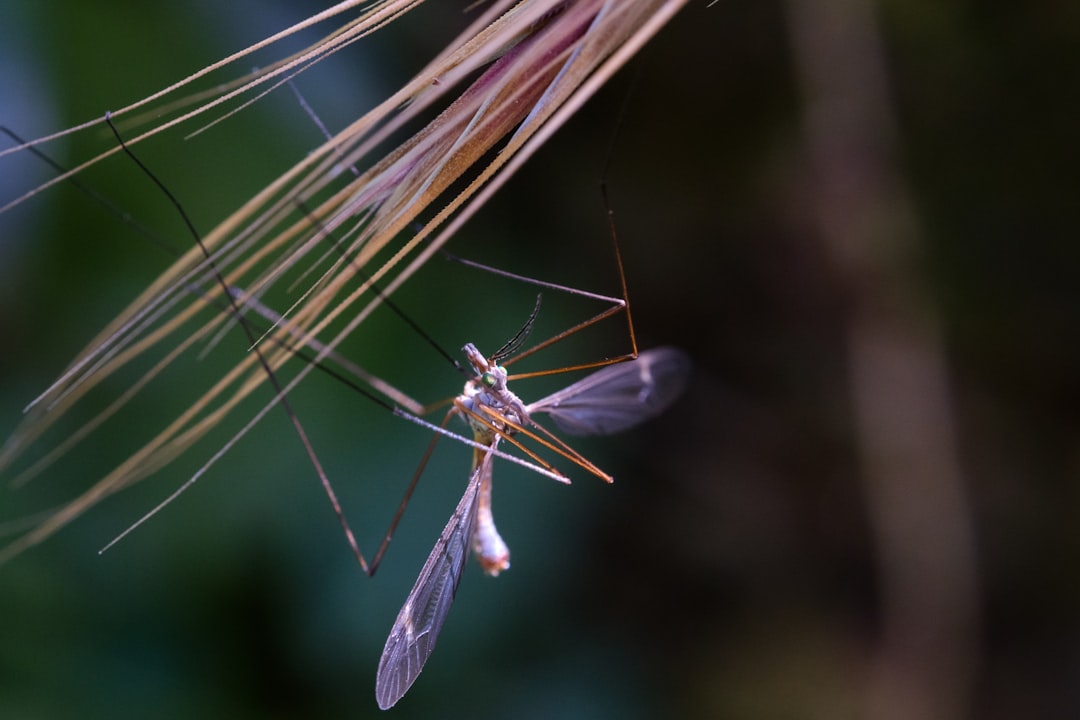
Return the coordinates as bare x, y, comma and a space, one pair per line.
859, 221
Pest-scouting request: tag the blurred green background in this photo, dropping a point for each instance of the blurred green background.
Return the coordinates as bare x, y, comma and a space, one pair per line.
735, 568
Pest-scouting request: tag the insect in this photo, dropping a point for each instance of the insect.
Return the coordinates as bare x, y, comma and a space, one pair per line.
609, 400
613, 398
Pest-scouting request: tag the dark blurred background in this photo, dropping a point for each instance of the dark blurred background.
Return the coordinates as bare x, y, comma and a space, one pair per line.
859, 221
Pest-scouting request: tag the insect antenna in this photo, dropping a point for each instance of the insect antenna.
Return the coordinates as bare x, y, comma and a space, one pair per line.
519, 338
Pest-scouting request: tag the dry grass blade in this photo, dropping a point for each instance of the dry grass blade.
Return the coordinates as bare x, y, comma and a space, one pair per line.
504, 85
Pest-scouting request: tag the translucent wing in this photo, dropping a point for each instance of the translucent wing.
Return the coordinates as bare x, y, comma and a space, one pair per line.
619, 396
421, 617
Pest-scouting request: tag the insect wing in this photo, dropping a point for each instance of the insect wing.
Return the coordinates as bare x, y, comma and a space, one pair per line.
620, 396
422, 616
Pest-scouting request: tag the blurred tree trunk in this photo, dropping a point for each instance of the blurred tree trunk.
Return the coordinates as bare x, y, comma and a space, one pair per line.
902, 411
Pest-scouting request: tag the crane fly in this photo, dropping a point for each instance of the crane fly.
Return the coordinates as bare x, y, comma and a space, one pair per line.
624, 391
608, 401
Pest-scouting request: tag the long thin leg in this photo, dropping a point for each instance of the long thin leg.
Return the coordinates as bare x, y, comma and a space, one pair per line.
499, 423
618, 304
377, 558
271, 376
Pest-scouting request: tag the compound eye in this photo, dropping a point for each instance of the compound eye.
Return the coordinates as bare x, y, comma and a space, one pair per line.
488, 379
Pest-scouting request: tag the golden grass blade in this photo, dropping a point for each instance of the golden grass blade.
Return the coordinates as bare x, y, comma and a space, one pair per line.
376, 16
